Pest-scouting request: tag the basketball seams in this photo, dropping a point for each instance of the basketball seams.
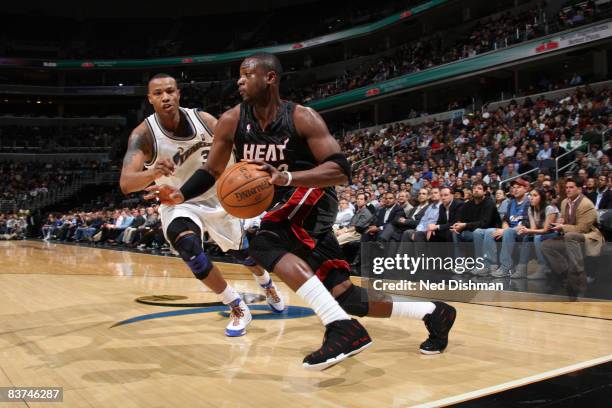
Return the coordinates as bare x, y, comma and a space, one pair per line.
238, 182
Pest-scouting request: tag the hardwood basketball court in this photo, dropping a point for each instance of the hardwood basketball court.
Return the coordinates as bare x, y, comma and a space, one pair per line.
58, 304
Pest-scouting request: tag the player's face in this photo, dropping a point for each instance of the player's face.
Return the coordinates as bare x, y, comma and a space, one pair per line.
252, 81
164, 95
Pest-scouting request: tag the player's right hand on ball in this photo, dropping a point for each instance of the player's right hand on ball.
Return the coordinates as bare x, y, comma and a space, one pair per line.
165, 194
163, 167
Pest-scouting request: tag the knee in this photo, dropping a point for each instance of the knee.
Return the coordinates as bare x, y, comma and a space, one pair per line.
354, 301
243, 256
509, 233
189, 247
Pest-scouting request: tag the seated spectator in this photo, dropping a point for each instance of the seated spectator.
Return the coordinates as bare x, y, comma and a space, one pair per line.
577, 224
345, 214
517, 213
501, 203
509, 171
604, 193
590, 190
545, 152
403, 200
431, 215
140, 217
412, 218
478, 213
85, 229
123, 220
358, 224
381, 230
594, 155
48, 226
541, 217
448, 216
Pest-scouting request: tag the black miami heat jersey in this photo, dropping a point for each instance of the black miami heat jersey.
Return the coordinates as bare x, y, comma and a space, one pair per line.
281, 146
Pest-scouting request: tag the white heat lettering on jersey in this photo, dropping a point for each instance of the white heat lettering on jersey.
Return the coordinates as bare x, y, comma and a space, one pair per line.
265, 152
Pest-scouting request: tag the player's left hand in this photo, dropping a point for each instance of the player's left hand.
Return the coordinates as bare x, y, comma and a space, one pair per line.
164, 194
277, 178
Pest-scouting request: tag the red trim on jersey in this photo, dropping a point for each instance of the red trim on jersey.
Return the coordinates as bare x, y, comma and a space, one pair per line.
330, 264
303, 209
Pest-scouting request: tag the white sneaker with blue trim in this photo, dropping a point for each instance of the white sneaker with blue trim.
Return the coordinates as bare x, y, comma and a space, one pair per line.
240, 318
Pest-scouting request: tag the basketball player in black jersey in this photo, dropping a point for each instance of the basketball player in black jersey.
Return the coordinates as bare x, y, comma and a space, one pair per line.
295, 239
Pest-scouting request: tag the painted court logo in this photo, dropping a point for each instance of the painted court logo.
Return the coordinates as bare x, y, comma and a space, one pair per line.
292, 312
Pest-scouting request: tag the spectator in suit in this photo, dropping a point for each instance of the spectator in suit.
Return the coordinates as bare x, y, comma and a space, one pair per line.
382, 221
413, 217
602, 191
577, 225
448, 216
403, 200
139, 219
590, 190
429, 217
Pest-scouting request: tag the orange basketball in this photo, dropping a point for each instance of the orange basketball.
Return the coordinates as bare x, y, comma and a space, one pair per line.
244, 191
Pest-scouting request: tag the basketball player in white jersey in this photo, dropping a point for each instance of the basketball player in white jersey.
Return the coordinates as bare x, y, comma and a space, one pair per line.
167, 148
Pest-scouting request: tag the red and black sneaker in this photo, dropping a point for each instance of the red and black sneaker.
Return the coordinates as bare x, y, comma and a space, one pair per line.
439, 323
343, 338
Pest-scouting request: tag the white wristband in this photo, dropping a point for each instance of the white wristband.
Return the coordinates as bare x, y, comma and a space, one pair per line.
289, 178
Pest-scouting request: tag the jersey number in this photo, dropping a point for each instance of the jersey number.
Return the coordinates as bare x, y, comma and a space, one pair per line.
205, 153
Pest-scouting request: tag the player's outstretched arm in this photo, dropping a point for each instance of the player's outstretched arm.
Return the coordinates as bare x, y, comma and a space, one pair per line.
140, 148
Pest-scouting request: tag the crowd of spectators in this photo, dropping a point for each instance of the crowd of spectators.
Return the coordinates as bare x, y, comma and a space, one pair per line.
25, 180
13, 226
486, 35
503, 31
429, 182
49, 139
491, 145
139, 227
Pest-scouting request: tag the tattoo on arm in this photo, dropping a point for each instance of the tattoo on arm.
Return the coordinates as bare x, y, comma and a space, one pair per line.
137, 142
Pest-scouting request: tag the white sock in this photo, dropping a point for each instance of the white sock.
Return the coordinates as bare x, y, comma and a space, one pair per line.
322, 302
228, 295
412, 310
263, 279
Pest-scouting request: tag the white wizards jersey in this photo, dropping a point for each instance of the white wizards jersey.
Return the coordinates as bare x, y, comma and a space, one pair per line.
187, 154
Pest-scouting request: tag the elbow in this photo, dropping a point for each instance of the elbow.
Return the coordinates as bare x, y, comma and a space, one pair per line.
124, 187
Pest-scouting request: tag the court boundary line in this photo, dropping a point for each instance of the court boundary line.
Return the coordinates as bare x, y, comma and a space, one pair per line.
520, 308
483, 392
115, 249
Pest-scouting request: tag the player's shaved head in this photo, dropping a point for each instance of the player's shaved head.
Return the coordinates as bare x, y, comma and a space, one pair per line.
161, 76
266, 61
